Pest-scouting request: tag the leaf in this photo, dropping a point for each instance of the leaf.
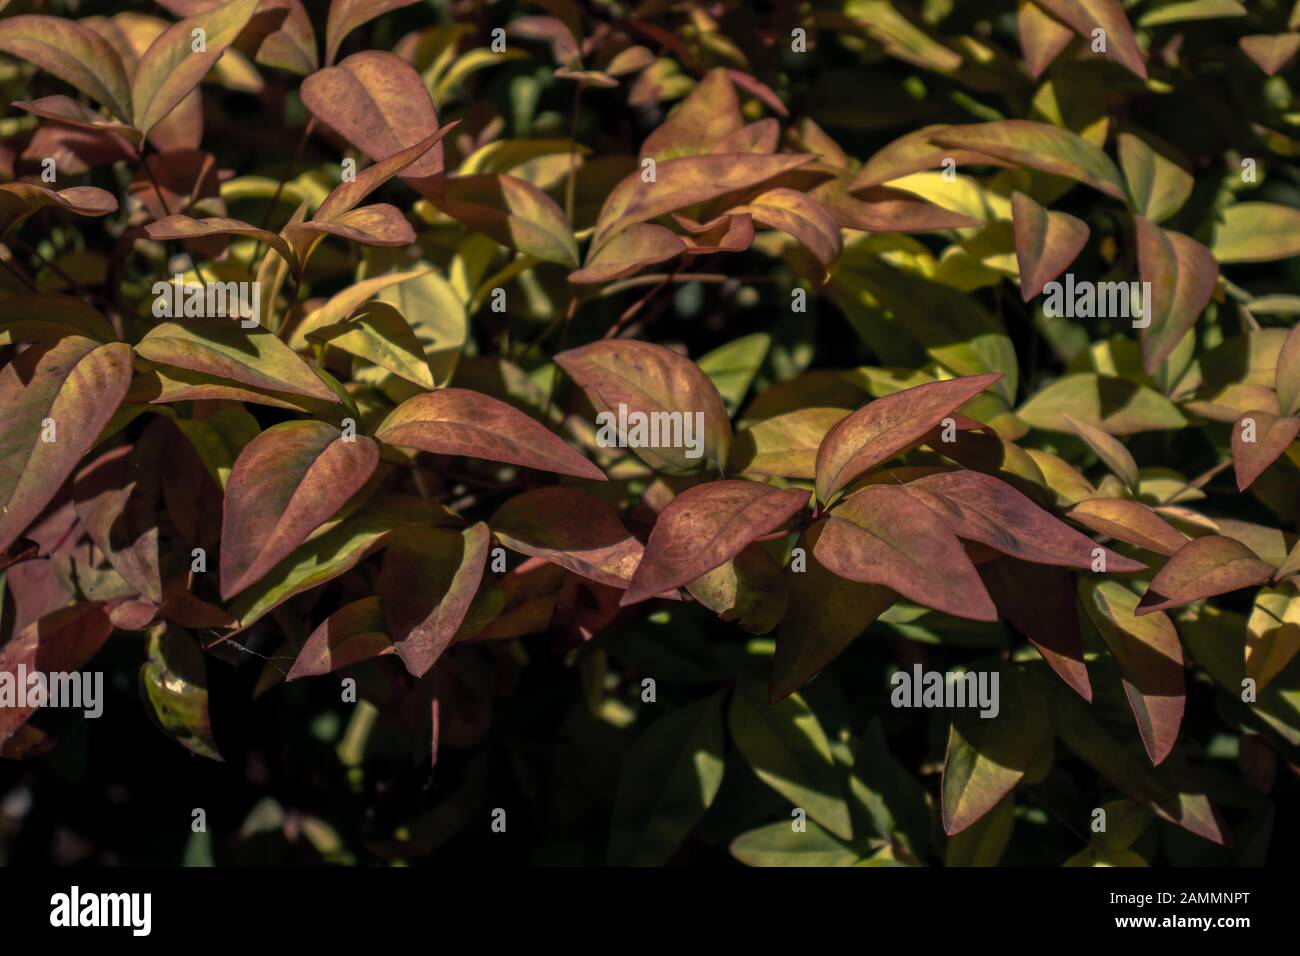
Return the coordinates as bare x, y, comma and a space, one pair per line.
346, 196
572, 529
62, 641
1288, 371
731, 366
704, 526
43, 316
826, 612
1183, 274
1150, 661
170, 68
66, 110
185, 227
378, 333
223, 349
988, 757
984, 509
74, 53
1050, 149
1115, 405
1129, 521
983, 842
1203, 568
174, 683
1158, 186
286, 483
429, 579
684, 182
632, 250
57, 397
749, 590
455, 421
1108, 15
354, 633
116, 497
786, 445
334, 551
347, 15
779, 844
1109, 449
1273, 633
1039, 602
1042, 37
515, 213
1257, 232
660, 384
1272, 54
800, 216
888, 426
707, 116
787, 749
379, 104
669, 779
1272, 436
18, 201
882, 535
1181, 12
1046, 243
1098, 748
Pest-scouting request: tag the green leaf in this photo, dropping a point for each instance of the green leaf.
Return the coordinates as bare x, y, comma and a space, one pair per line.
1257, 232
1050, 149
1115, 405
173, 682
984, 841
669, 779
732, 366
378, 333
988, 757
1158, 185
778, 844
786, 747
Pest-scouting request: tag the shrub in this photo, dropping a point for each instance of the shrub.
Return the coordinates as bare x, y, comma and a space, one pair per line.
844, 432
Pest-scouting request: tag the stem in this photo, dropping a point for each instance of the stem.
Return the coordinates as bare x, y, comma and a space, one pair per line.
284, 178
144, 164
45, 263
573, 152
13, 270
1198, 482
631, 312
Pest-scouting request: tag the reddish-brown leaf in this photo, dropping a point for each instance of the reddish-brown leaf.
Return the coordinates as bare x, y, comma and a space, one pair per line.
1150, 660
888, 426
455, 421
379, 104
286, 483
1183, 274
57, 396
346, 15
1202, 568
1038, 601
703, 527
61, 641
354, 633
75, 54
984, 509
883, 535
1046, 243
1130, 521
429, 579
1270, 436
571, 528
632, 250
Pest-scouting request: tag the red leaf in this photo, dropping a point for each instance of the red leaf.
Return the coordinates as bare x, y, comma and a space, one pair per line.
703, 527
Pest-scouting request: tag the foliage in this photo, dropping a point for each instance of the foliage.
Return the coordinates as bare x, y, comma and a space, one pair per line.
371, 549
